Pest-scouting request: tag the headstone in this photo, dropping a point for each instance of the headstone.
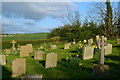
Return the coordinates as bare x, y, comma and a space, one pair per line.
66, 46
2, 59
29, 48
38, 55
24, 51
101, 69
7, 51
90, 41
51, 60
53, 47
84, 41
13, 45
32, 77
97, 37
118, 41
108, 49
18, 67
88, 52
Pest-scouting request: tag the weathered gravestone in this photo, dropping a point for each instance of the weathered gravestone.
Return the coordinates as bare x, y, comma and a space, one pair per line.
7, 51
29, 48
2, 59
118, 41
88, 52
108, 49
18, 67
24, 51
51, 60
66, 46
32, 77
38, 55
13, 45
101, 69
90, 41
53, 47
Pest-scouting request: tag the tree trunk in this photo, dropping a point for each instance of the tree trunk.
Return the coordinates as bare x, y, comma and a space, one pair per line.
109, 19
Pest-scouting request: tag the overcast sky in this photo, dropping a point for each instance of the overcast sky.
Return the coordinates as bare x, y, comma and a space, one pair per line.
33, 17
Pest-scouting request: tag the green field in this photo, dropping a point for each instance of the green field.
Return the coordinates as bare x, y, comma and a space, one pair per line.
35, 36
63, 70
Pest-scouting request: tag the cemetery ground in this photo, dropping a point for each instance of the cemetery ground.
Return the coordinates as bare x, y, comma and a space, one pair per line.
65, 69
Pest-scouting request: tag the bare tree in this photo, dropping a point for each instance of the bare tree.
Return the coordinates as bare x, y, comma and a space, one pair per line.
72, 18
104, 13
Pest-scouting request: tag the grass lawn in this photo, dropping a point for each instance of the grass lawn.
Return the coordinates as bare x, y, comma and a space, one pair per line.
63, 71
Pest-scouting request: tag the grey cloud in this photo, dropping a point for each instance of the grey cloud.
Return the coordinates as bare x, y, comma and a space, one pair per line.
21, 25
36, 10
30, 22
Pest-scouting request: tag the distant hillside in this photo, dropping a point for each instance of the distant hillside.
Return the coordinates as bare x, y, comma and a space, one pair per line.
33, 36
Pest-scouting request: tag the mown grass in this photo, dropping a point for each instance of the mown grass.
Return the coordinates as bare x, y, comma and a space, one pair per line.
62, 71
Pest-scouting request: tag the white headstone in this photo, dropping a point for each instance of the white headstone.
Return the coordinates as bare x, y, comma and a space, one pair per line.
2, 59
108, 49
18, 67
51, 60
88, 52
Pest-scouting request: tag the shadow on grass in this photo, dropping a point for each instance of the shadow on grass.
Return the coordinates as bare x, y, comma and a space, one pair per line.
73, 51
116, 46
6, 74
32, 57
114, 68
63, 59
113, 57
42, 62
78, 72
113, 65
62, 48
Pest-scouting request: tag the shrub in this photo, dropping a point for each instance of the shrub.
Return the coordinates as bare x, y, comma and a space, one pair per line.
75, 32
72, 62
